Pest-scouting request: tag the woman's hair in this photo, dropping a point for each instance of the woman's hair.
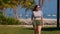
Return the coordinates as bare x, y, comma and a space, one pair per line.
34, 9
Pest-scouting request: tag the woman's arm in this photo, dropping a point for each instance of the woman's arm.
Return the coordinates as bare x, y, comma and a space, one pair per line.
32, 17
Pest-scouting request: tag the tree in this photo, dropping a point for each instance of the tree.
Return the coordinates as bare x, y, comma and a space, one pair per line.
14, 4
2, 6
8, 4
28, 4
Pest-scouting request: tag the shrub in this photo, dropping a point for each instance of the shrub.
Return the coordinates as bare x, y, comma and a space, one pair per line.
8, 21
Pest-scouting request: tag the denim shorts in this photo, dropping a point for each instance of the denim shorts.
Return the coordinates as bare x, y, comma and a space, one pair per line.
37, 22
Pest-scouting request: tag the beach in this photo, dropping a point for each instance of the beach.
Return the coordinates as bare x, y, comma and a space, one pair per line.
46, 21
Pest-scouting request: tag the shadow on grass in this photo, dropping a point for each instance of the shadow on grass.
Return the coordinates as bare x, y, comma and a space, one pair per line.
47, 29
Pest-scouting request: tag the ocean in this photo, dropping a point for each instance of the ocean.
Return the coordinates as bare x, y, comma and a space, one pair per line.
21, 14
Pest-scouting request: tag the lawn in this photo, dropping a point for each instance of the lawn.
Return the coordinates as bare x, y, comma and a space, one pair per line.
20, 30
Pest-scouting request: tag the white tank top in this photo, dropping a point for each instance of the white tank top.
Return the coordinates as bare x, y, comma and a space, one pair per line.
37, 13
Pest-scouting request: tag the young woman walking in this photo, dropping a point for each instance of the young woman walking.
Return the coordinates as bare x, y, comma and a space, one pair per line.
37, 19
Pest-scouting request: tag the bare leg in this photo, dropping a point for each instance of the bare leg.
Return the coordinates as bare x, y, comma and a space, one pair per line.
39, 29
35, 29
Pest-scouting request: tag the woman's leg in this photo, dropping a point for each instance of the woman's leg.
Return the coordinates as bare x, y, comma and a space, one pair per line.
35, 29
39, 29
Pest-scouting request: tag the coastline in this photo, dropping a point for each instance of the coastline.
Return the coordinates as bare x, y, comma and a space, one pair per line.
46, 21
30, 19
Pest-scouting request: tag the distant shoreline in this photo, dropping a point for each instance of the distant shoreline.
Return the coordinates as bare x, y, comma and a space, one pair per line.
45, 19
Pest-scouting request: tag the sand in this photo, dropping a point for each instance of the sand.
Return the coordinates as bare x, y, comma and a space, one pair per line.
46, 20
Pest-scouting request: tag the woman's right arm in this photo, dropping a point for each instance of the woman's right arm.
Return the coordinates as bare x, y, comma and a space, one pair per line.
32, 17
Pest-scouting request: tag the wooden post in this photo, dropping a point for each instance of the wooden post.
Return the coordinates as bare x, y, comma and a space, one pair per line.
58, 14
39, 3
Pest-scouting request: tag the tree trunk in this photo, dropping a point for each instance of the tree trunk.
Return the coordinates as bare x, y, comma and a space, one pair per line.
15, 12
4, 12
26, 13
39, 2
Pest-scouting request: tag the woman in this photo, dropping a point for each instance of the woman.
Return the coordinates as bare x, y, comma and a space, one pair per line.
37, 19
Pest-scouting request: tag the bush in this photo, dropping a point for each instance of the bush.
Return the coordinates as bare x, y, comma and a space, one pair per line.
8, 21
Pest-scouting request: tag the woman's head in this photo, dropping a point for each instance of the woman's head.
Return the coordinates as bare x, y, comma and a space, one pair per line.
36, 8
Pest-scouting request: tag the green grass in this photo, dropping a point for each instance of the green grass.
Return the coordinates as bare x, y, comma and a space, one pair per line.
20, 30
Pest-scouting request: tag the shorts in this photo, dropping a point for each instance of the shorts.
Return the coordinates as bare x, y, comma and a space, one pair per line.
37, 22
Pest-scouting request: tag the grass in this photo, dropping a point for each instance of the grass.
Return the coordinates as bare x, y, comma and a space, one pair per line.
20, 30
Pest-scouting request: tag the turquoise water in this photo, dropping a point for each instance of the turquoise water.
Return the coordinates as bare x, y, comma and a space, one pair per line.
49, 10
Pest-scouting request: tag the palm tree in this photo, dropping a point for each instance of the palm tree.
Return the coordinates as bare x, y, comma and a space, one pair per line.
15, 12
41, 2
2, 7
28, 4
13, 4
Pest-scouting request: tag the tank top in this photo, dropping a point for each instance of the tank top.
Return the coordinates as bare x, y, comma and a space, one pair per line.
37, 14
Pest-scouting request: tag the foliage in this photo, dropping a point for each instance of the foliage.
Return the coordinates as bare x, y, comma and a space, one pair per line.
12, 3
1, 13
8, 21
28, 4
